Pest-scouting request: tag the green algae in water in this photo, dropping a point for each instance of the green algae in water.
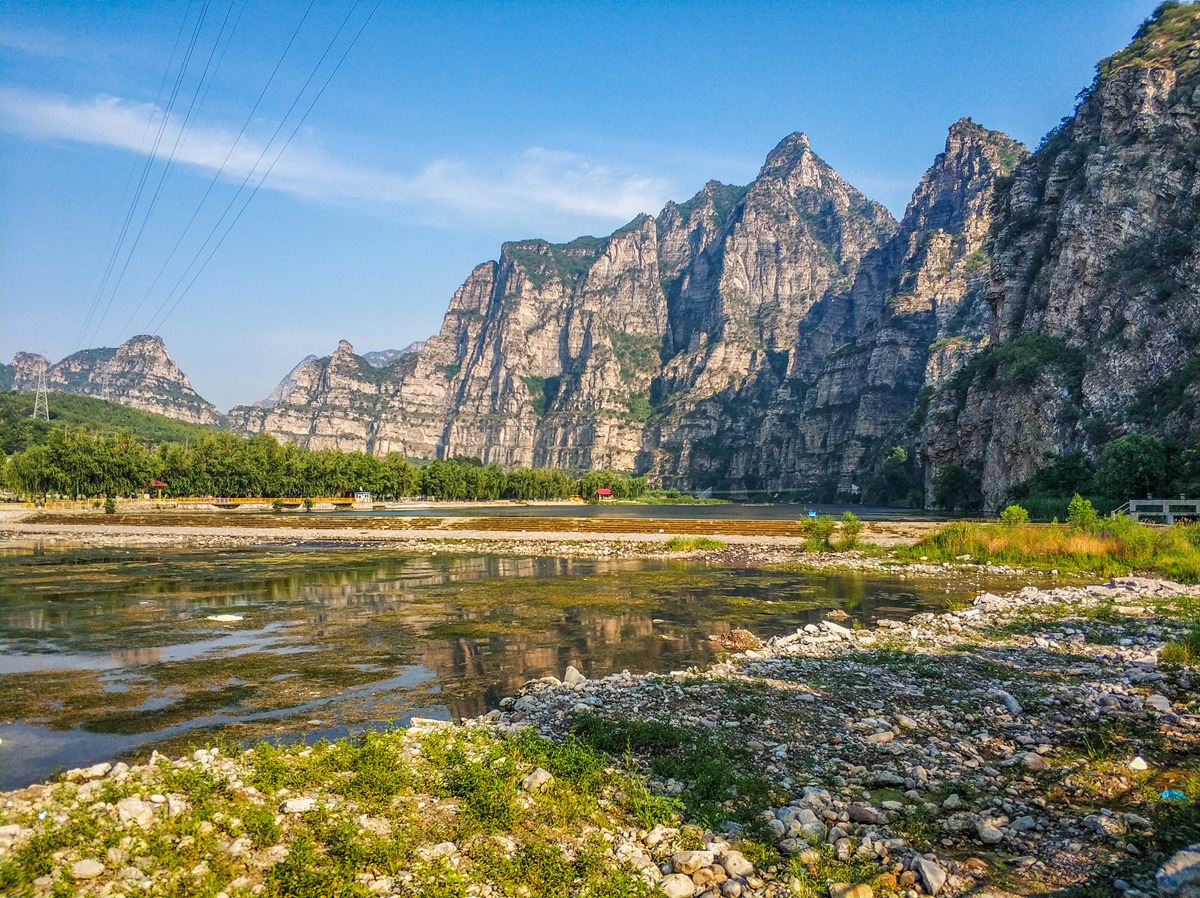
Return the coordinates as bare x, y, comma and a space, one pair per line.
104, 644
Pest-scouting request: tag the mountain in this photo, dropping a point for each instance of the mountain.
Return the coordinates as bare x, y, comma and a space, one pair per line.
790, 337
140, 373
1095, 287
813, 416
382, 357
286, 387
707, 345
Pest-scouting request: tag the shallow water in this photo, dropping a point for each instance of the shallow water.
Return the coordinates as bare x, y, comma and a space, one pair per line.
107, 651
732, 511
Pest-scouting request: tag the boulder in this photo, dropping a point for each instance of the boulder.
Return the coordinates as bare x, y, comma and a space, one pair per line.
677, 886
538, 780
933, 877
1179, 877
850, 890
88, 868
690, 861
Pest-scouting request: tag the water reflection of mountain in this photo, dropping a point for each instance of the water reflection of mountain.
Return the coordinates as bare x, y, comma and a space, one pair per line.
136, 657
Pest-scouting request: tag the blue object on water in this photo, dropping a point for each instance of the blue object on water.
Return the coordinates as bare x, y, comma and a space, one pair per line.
1173, 795
812, 514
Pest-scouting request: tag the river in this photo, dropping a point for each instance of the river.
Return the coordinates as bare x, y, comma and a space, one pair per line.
109, 651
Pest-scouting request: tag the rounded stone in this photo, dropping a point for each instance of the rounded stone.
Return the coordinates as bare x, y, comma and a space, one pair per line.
677, 885
88, 868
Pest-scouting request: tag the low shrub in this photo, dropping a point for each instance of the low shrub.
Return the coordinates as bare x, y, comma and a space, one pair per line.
851, 529
818, 531
690, 543
1014, 515
1111, 547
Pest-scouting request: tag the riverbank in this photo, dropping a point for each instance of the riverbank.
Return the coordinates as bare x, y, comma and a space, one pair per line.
1031, 743
746, 543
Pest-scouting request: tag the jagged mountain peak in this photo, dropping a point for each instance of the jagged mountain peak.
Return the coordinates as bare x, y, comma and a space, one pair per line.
954, 193
139, 373
787, 152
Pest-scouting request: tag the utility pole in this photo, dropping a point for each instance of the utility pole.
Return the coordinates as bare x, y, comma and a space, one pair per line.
41, 407
106, 384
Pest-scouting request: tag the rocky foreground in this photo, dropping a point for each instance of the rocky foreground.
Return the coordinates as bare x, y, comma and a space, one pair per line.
1042, 742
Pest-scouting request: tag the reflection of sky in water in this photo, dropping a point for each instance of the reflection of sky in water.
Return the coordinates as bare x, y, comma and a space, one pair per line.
318, 624
237, 643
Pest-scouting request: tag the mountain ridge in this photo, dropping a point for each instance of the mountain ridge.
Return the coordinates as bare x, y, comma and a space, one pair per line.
789, 336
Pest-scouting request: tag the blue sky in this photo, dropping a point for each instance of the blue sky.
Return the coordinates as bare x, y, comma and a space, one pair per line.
449, 128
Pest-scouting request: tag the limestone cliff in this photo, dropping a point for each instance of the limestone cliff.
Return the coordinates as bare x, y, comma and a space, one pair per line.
287, 386
782, 336
1095, 286
753, 338
139, 373
810, 419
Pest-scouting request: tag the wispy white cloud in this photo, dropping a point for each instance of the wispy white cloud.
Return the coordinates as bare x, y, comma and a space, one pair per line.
34, 43
536, 184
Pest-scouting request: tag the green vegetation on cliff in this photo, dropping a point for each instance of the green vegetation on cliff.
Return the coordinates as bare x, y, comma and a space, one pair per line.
1167, 39
567, 261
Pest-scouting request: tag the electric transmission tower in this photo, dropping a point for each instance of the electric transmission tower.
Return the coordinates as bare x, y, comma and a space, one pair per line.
41, 407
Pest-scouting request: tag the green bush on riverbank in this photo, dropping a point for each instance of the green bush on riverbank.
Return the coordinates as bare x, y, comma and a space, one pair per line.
1111, 547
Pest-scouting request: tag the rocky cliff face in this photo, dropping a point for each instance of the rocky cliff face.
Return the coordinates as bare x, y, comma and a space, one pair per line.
723, 343
1095, 286
781, 337
140, 373
910, 310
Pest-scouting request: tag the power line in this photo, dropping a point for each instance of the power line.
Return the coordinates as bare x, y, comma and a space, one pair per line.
180, 135
134, 166
220, 171
255, 188
150, 160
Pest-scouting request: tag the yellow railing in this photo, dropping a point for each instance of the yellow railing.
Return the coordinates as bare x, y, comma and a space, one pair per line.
256, 500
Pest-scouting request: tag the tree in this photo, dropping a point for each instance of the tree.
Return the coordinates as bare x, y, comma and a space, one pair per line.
893, 483
1081, 515
1132, 467
955, 487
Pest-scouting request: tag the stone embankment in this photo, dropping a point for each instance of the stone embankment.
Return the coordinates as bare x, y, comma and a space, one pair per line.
1026, 743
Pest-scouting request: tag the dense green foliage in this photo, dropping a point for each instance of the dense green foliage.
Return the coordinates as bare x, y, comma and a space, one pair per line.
74, 462
724, 198
956, 488
896, 483
1014, 515
542, 391
1135, 466
568, 262
1017, 364
19, 430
